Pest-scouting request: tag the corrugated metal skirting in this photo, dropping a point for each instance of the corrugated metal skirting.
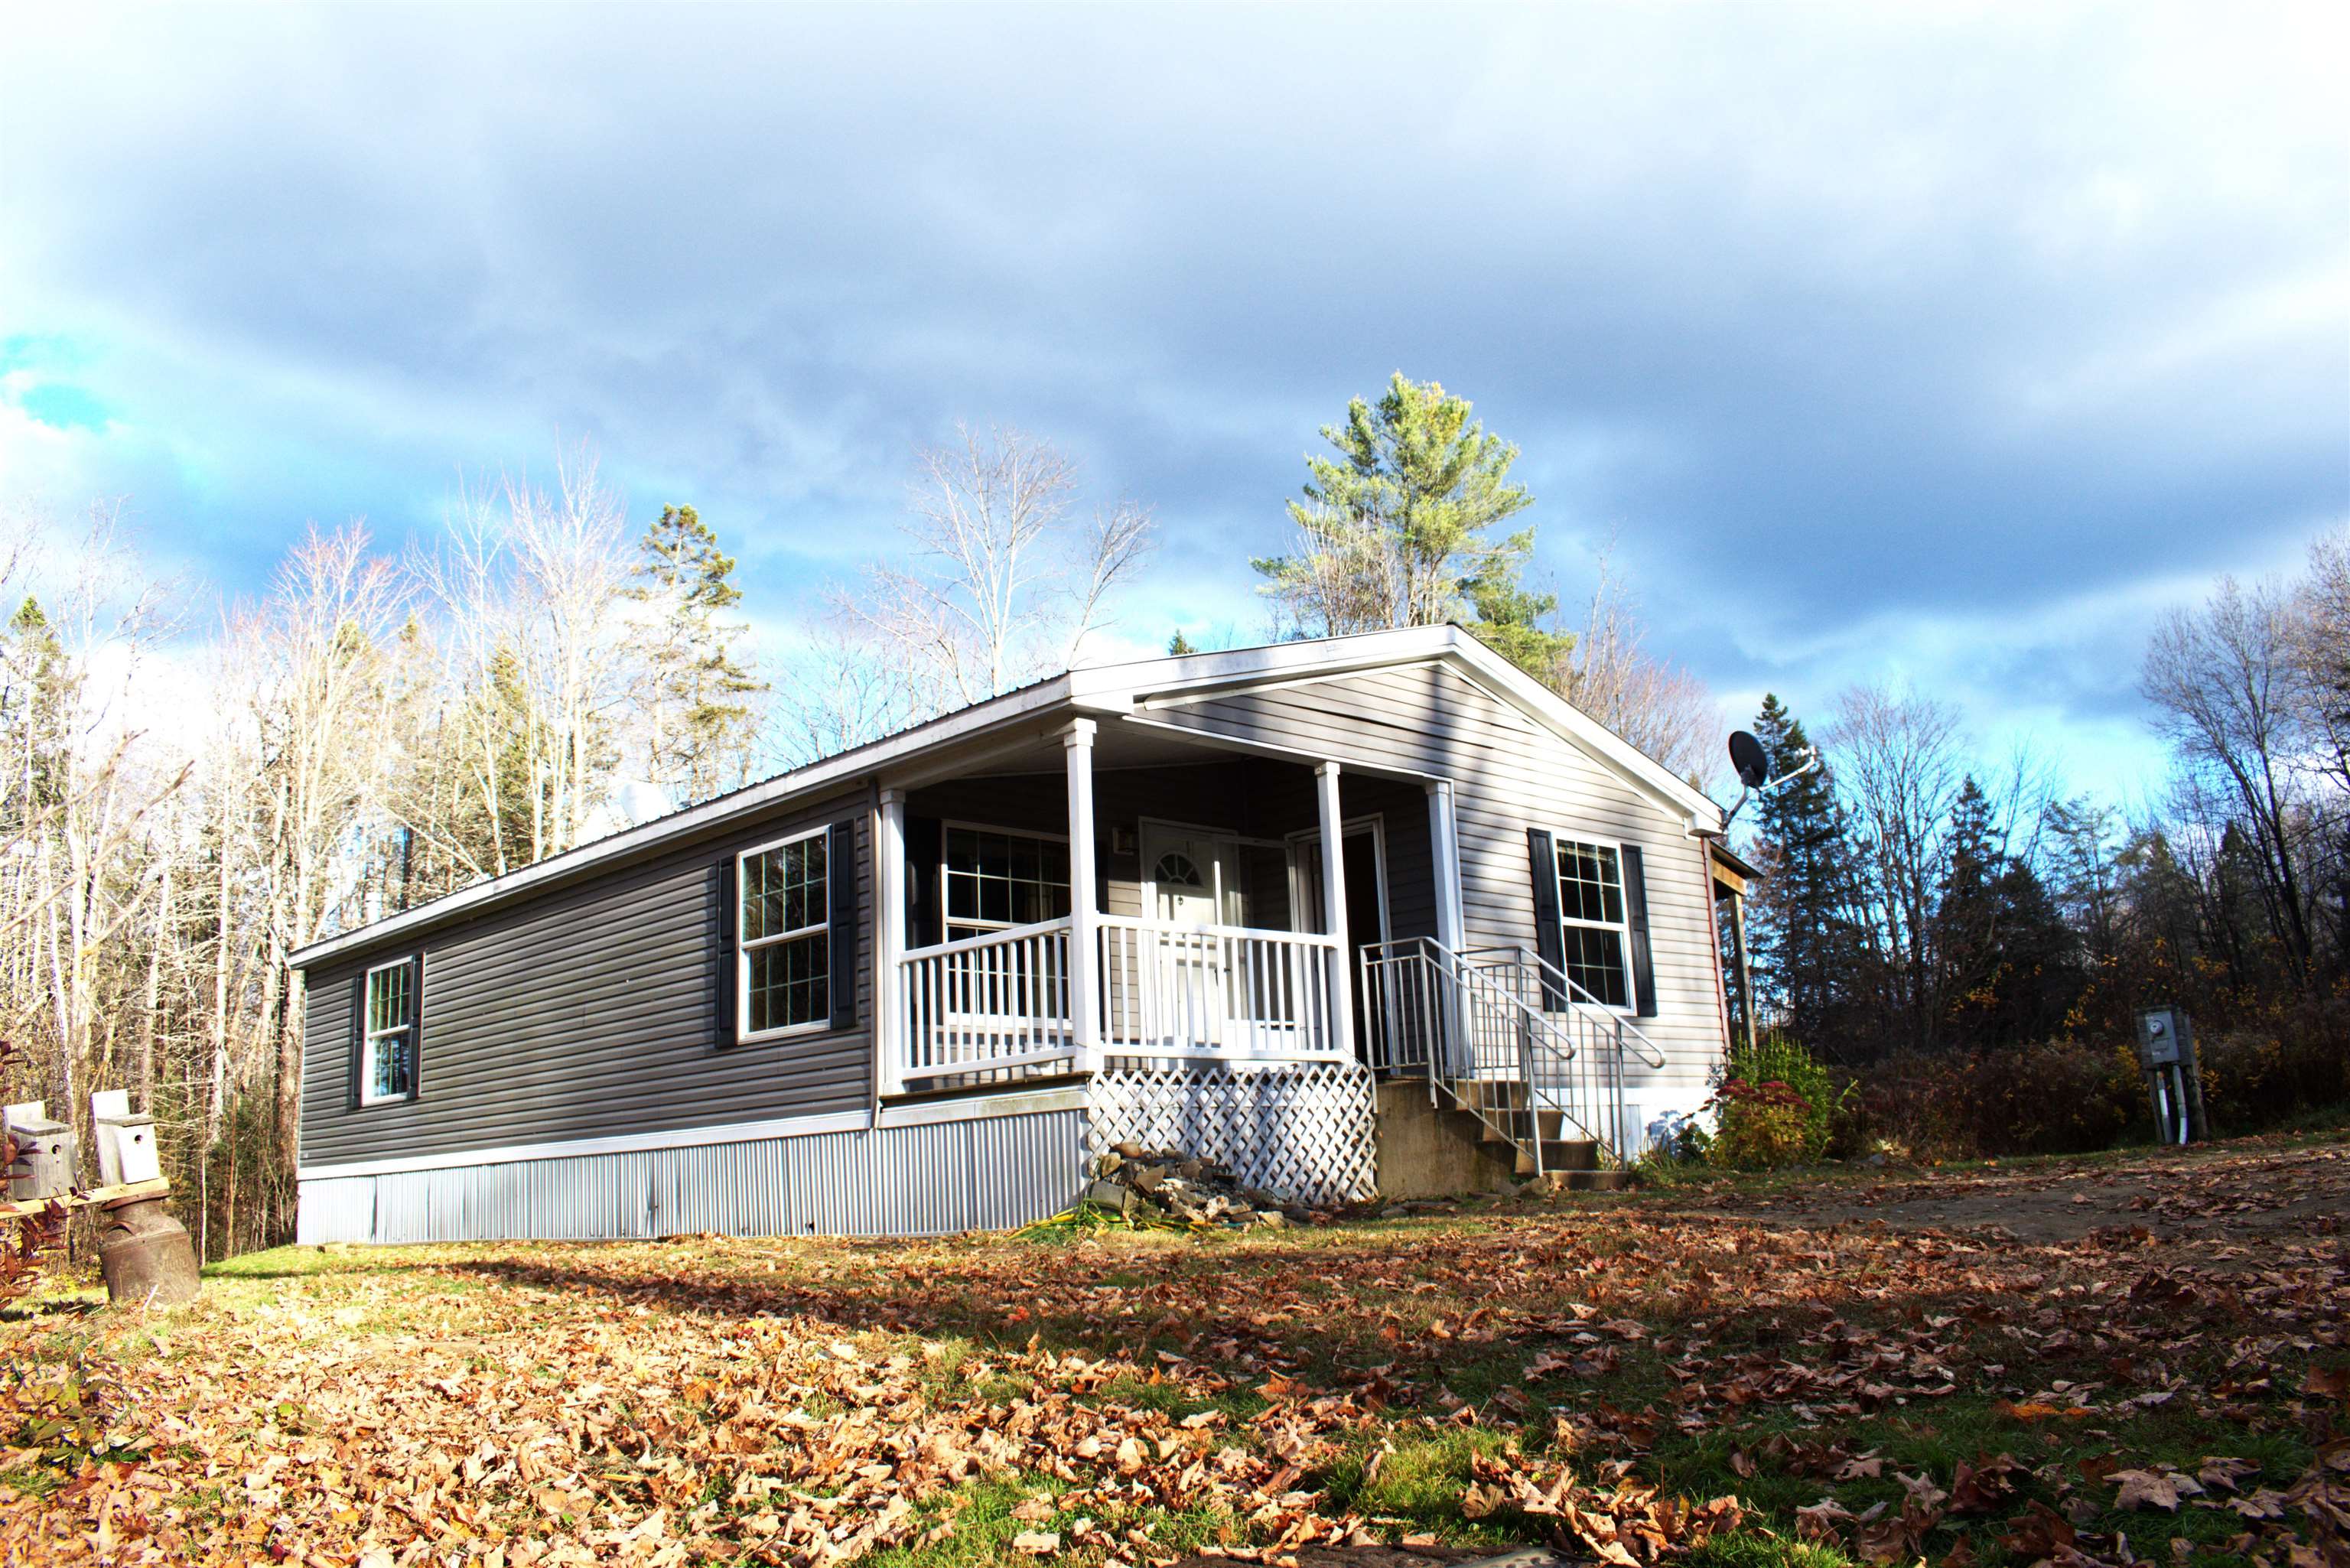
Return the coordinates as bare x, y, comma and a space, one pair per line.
981, 1174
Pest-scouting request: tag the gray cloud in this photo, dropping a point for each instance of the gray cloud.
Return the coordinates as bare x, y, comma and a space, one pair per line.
1848, 321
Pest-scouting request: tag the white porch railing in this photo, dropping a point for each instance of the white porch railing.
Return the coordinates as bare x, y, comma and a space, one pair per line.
1225, 992
1233, 992
996, 1001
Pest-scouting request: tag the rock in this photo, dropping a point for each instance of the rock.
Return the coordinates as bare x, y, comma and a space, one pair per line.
1188, 1189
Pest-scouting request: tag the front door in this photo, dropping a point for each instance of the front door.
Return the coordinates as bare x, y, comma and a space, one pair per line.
1190, 993
1194, 875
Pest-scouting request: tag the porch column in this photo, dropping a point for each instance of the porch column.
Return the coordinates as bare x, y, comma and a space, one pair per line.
1445, 839
1084, 959
1334, 908
890, 943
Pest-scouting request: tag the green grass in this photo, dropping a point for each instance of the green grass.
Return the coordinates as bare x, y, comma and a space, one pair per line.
1330, 1309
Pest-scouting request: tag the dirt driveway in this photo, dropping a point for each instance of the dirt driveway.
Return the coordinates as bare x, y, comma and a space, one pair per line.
2229, 1197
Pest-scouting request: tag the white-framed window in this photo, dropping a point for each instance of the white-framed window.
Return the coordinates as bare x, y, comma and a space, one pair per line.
784, 937
388, 1033
1594, 935
991, 878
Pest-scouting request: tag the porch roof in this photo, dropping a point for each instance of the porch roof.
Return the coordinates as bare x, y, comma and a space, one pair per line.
1124, 691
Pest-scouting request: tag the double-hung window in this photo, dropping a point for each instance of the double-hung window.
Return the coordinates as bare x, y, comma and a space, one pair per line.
785, 937
996, 879
386, 1063
1591, 916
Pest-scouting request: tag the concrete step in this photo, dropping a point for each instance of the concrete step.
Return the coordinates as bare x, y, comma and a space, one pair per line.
1561, 1154
1514, 1125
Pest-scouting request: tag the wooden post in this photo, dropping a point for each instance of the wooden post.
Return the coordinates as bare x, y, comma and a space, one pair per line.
1745, 974
1085, 961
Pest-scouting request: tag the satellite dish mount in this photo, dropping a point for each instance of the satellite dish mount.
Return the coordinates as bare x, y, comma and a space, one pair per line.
1753, 765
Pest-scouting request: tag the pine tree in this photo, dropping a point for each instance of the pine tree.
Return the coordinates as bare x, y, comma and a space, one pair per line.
1805, 945
1515, 622
698, 705
2006, 964
38, 689
1396, 526
1178, 643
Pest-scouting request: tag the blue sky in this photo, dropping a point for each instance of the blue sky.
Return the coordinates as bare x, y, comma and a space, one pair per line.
1924, 342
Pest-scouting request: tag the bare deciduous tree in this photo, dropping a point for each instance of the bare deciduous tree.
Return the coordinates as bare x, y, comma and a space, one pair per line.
315, 655
529, 586
1662, 708
1003, 580
1901, 763
2224, 680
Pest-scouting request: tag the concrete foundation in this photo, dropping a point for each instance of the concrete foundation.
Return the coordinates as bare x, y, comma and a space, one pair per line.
1424, 1152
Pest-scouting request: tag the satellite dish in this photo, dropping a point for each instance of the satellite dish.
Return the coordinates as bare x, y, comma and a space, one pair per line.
1746, 756
1754, 770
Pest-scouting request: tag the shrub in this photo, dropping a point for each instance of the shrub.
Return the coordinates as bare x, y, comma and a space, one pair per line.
1762, 1125
2259, 1077
2059, 1096
1776, 1104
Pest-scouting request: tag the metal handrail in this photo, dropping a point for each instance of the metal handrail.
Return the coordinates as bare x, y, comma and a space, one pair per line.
1561, 984
1429, 1010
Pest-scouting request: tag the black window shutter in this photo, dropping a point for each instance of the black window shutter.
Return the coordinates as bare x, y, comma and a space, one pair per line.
723, 1001
358, 1039
416, 1027
841, 873
1635, 909
925, 848
1549, 940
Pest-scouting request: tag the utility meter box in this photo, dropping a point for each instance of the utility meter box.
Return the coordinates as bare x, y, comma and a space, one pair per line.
2165, 1038
44, 1166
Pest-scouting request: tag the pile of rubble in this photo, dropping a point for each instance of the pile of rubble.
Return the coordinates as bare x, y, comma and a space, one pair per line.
1169, 1186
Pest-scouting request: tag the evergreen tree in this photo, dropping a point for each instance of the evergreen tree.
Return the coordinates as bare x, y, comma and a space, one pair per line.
39, 686
1966, 921
1515, 622
1178, 643
698, 707
1396, 529
2039, 975
1805, 940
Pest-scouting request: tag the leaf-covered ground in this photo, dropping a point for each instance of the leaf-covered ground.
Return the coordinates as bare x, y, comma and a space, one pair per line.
2149, 1366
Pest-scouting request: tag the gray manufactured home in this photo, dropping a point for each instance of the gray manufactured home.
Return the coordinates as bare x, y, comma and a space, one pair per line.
915, 986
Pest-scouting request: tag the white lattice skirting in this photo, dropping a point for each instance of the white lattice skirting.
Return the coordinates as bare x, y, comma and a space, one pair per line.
1304, 1132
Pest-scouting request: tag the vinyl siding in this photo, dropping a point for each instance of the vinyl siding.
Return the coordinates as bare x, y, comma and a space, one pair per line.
588, 1010
1510, 774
